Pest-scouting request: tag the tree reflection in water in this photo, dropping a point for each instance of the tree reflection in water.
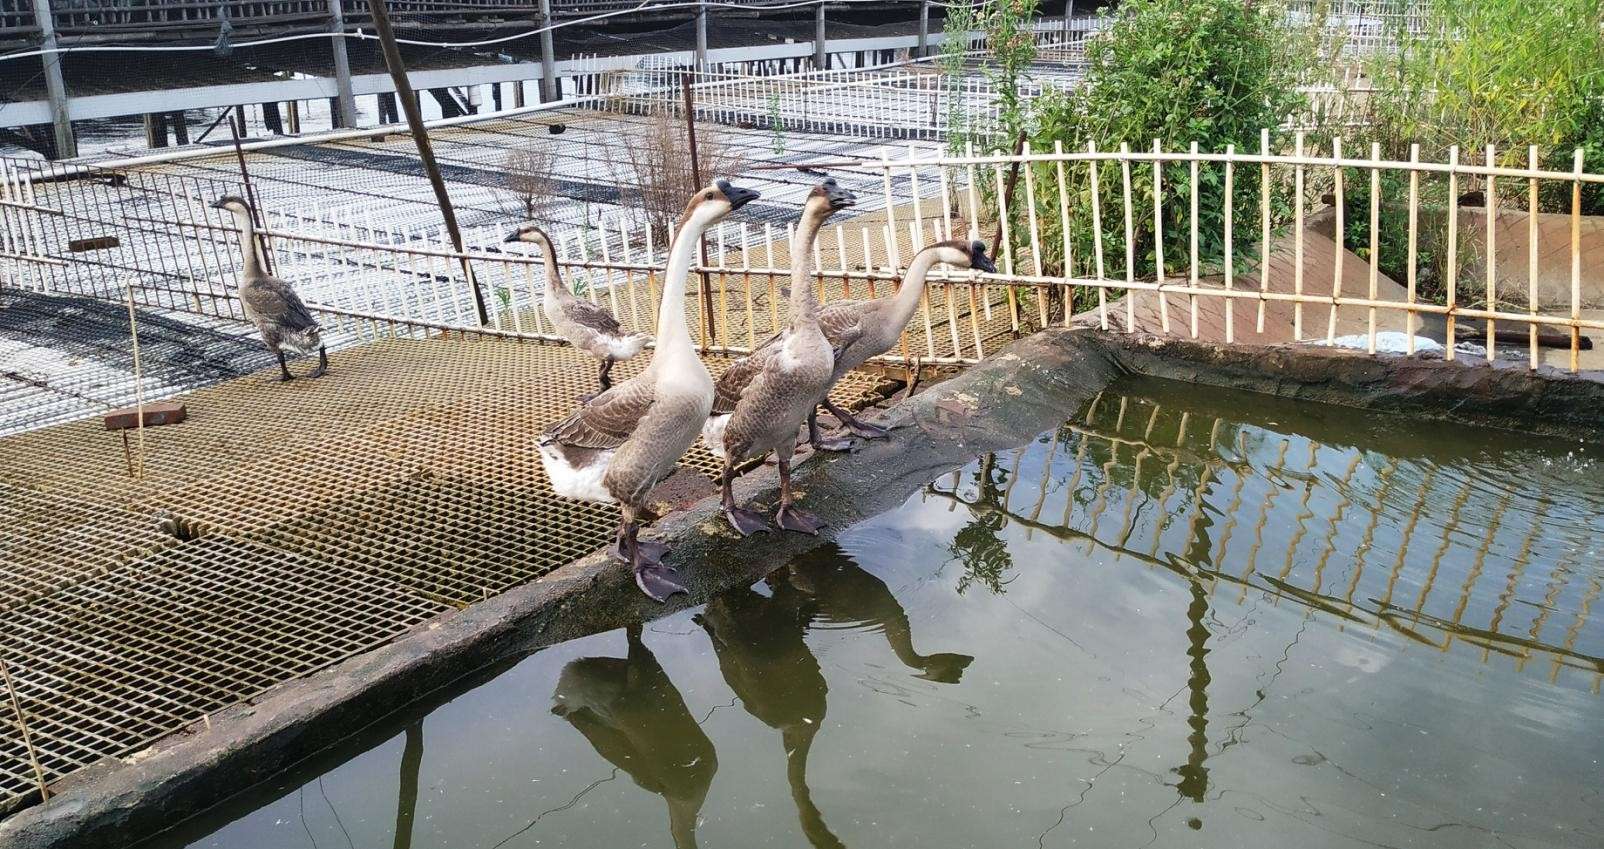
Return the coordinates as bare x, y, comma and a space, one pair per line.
977, 546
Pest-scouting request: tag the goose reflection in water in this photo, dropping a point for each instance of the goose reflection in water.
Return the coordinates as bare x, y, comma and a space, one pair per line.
635, 718
763, 654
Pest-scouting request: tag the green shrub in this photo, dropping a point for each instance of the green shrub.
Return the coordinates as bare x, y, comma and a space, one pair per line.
1509, 73
1211, 71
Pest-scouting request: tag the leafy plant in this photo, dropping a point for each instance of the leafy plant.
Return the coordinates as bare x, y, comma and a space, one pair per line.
1480, 72
1214, 72
962, 18
776, 125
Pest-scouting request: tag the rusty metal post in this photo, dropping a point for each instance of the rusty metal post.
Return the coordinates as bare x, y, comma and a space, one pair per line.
420, 137
696, 178
235, 128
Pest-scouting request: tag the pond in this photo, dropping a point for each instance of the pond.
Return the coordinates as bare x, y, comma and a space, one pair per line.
1183, 618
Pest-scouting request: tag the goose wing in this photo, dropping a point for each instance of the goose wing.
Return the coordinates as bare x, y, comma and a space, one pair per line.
276, 300
738, 376
608, 419
593, 316
842, 323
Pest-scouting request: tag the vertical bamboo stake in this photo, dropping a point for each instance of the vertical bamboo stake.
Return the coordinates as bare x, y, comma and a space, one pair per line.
1375, 244
1158, 237
27, 739
1453, 252
1192, 267
746, 280
1230, 246
891, 213
946, 205
868, 261
1531, 253
1264, 214
1297, 239
974, 224
1339, 249
624, 250
1414, 242
1035, 229
1007, 243
1492, 254
841, 261
924, 303
1576, 261
1097, 243
918, 209
139, 384
1130, 238
774, 294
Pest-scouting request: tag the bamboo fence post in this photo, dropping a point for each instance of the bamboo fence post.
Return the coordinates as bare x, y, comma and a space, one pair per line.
1035, 240
1097, 242
746, 280
1531, 253
1375, 244
139, 383
1063, 230
1130, 238
1491, 260
1230, 246
1005, 236
1453, 251
1414, 240
1158, 236
22, 728
1264, 214
1576, 261
1191, 298
1297, 238
1338, 249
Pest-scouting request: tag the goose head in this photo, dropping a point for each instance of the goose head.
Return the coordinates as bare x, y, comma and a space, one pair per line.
713, 203
828, 197
529, 233
235, 205
971, 254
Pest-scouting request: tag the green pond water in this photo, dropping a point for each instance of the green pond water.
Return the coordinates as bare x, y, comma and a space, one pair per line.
1184, 618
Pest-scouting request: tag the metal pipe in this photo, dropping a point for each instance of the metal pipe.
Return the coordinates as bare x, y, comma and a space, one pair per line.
420, 137
701, 35
820, 58
924, 30
548, 56
66, 146
345, 101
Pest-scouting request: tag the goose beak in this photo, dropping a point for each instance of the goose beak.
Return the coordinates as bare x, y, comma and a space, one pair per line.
514, 236
737, 196
841, 198
216, 204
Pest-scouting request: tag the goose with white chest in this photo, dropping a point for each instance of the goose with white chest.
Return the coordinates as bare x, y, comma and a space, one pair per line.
626, 440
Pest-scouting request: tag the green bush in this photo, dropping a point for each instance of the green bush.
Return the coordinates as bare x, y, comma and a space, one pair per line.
1509, 73
1211, 71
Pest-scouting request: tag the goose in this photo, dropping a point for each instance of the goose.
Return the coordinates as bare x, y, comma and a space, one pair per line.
270, 303
861, 330
587, 326
621, 443
783, 381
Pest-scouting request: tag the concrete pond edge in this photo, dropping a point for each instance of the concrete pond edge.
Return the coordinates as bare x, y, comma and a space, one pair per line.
1029, 387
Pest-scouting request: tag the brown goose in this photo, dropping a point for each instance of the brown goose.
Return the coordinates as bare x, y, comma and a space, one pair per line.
270, 303
782, 382
587, 326
622, 442
861, 330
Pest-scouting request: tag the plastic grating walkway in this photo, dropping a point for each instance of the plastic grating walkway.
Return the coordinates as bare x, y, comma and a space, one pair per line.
281, 529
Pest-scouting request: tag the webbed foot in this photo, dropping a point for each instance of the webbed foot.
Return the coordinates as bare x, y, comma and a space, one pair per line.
657, 580
794, 519
866, 430
839, 443
286, 377
746, 522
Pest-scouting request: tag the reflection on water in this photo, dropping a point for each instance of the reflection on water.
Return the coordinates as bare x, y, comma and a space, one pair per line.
1172, 622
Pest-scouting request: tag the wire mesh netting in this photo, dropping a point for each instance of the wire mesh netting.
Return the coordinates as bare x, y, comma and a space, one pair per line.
280, 529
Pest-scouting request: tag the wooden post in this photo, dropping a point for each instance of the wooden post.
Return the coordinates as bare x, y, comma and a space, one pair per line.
22, 729
345, 101
180, 129
548, 56
420, 137
696, 177
66, 146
